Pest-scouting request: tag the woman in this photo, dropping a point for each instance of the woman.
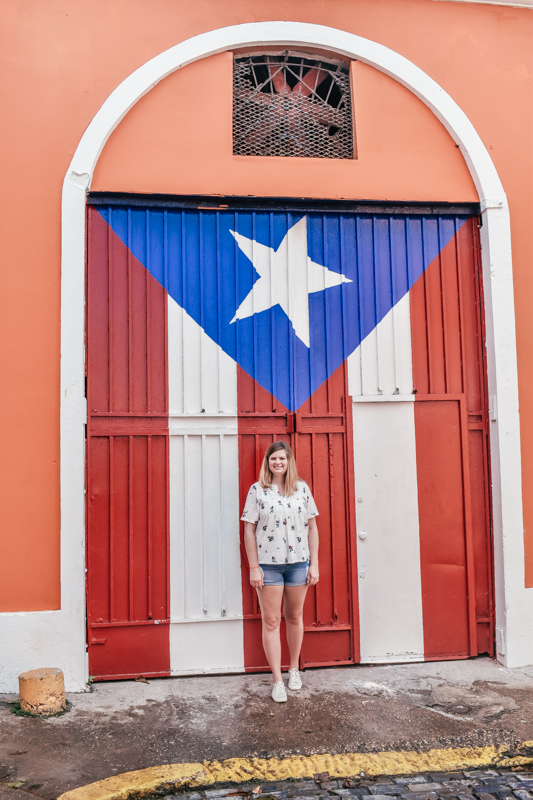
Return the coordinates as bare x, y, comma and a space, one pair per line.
281, 540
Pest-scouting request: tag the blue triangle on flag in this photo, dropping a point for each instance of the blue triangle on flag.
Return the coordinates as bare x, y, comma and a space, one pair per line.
196, 258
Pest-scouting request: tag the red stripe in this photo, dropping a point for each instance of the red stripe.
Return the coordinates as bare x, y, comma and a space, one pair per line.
450, 415
320, 433
442, 529
128, 462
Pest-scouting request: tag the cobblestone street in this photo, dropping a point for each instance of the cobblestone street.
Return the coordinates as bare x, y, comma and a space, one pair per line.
489, 784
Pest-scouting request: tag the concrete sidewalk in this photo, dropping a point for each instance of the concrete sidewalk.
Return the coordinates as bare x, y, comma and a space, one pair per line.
365, 711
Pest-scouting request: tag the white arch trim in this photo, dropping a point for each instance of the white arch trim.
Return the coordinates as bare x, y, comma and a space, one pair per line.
514, 604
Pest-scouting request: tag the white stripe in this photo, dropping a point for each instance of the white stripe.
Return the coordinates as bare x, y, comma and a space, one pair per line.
388, 558
202, 378
388, 547
382, 364
206, 631
207, 646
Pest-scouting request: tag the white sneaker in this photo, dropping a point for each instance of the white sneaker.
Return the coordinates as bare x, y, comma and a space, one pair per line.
295, 682
279, 695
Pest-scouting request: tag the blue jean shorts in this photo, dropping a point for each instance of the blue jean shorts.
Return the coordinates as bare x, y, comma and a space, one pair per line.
285, 574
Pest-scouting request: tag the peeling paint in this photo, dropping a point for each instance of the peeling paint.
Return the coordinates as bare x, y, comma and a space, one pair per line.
81, 180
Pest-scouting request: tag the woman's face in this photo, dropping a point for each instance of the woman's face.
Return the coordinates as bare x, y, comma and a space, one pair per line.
278, 462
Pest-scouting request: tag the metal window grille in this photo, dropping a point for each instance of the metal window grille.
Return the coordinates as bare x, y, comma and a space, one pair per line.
287, 105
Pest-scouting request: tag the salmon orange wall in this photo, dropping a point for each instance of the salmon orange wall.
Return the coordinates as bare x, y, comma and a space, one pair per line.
63, 59
178, 140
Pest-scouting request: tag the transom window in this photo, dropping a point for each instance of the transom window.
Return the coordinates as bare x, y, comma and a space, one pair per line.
289, 105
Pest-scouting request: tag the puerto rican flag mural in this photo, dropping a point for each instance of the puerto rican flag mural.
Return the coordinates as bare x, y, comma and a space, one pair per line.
356, 337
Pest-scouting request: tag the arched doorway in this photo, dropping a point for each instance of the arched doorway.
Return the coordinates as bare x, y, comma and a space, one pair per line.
495, 229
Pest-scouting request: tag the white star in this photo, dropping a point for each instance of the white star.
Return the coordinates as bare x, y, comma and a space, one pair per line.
287, 278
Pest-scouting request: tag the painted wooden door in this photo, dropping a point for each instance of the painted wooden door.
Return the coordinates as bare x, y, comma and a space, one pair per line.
213, 331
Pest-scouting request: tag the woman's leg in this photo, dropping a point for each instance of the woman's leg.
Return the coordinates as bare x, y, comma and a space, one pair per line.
270, 601
293, 606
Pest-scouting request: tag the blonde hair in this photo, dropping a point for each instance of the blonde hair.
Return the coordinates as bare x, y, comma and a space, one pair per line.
291, 476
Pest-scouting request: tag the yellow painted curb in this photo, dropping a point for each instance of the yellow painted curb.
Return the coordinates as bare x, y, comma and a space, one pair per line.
168, 778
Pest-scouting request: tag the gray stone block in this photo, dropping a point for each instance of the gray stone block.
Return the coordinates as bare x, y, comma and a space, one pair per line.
411, 779
481, 773
427, 795
381, 797
523, 794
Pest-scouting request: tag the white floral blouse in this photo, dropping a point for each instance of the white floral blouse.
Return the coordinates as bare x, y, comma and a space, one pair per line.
282, 523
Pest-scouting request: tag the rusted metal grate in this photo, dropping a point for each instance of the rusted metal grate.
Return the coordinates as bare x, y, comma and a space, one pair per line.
287, 105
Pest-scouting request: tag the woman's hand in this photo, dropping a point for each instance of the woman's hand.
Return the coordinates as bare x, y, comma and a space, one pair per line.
256, 577
312, 572
256, 574
312, 575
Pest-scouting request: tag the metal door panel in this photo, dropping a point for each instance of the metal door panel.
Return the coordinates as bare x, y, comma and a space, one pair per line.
388, 541
443, 534
449, 375
448, 441
402, 314
127, 462
322, 454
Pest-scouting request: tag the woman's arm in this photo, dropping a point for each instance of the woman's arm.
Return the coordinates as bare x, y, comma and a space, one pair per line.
312, 574
256, 575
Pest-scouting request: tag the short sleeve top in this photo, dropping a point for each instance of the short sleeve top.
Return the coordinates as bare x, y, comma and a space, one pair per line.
282, 522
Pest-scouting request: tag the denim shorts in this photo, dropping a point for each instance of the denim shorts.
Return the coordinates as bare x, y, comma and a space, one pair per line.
285, 574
